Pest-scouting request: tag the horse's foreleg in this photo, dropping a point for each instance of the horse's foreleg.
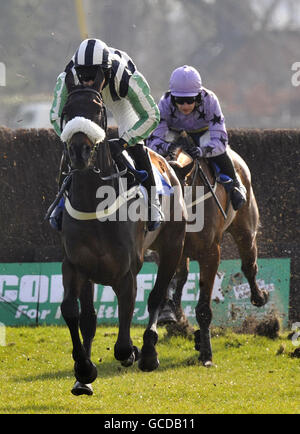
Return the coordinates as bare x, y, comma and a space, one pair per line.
208, 270
88, 317
87, 324
85, 370
124, 351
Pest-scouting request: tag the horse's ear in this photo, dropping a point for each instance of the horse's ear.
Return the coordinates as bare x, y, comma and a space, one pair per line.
99, 80
70, 82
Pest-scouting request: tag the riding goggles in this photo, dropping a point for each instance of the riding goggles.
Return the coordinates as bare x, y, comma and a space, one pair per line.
185, 99
87, 73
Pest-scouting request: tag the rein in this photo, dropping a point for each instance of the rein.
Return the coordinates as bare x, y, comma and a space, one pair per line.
199, 170
212, 190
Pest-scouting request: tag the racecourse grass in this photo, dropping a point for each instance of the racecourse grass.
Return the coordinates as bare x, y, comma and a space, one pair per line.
253, 374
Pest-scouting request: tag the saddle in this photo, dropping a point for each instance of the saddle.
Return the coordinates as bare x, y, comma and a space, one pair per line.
185, 159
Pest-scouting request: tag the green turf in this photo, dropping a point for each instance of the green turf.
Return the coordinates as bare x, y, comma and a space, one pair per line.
252, 375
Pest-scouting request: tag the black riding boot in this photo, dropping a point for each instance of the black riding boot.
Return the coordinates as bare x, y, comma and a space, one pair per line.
237, 190
55, 218
142, 161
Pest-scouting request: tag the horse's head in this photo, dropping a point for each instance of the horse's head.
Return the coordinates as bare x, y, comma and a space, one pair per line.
183, 166
82, 137
80, 149
85, 101
85, 120
178, 158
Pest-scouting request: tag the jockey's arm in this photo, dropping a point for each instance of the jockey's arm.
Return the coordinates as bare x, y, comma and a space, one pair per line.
144, 106
217, 129
59, 100
157, 141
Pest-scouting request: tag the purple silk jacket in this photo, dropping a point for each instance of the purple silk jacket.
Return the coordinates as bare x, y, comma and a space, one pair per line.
206, 117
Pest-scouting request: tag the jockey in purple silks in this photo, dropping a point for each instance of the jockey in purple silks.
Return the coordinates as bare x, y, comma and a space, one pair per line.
190, 107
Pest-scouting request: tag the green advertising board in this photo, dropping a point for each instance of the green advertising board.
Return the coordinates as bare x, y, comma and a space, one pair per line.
31, 293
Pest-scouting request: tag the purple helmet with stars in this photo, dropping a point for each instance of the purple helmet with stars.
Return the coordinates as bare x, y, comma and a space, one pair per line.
185, 81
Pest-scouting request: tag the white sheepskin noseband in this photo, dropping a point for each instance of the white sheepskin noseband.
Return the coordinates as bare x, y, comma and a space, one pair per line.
80, 124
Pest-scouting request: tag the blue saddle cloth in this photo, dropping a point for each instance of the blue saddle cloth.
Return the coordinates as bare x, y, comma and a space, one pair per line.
163, 188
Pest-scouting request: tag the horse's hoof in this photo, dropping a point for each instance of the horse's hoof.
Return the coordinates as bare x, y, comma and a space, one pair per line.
85, 373
82, 389
128, 362
209, 364
206, 359
148, 365
166, 316
135, 355
261, 299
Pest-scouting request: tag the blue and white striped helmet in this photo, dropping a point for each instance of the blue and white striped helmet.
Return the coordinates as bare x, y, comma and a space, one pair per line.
92, 52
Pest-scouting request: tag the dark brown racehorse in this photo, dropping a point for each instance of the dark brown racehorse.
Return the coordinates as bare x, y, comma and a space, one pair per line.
109, 252
204, 245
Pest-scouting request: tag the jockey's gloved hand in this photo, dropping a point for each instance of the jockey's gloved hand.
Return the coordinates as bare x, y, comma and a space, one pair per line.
195, 152
123, 144
171, 153
117, 146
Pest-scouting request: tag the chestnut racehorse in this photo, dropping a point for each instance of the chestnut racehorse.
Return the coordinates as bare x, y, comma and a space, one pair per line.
204, 245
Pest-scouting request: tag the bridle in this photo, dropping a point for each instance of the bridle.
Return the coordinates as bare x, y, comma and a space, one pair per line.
98, 101
103, 116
